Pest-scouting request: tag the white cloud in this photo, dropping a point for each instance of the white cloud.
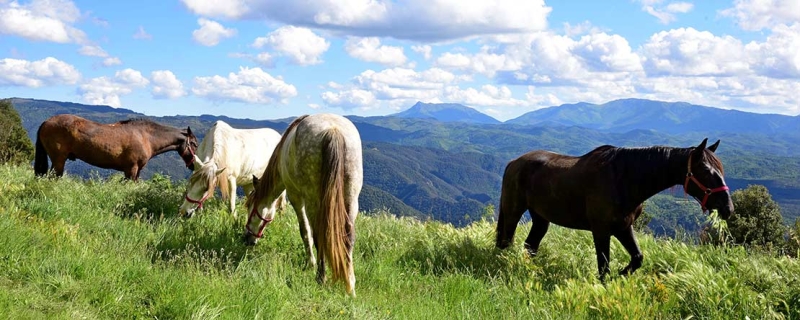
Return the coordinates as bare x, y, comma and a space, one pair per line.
582, 28
211, 32
93, 51
665, 13
371, 50
35, 74
422, 20
779, 55
301, 45
350, 99
250, 85
141, 34
112, 61
402, 83
424, 50
166, 85
688, 52
107, 91
42, 20
755, 15
487, 96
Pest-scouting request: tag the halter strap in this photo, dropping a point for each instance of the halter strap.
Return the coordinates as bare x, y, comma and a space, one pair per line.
188, 163
198, 202
261, 225
708, 191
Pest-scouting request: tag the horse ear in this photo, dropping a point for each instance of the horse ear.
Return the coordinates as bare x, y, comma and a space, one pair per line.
189, 131
255, 180
219, 171
714, 146
702, 145
198, 161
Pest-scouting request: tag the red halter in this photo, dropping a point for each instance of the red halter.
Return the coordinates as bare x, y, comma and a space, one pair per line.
198, 202
190, 161
708, 191
261, 225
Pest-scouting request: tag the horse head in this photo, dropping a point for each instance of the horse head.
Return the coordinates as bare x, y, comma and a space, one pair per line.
258, 208
188, 148
200, 187
705, 180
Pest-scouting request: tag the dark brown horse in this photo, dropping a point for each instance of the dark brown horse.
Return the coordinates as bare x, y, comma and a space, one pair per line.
603, 191
125, 146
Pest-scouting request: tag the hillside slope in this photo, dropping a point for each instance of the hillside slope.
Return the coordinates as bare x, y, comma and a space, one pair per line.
74, 249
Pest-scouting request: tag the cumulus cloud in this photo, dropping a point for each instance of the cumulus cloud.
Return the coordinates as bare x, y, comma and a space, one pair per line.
488, 95
42, 20
421, 20
756, 15
688, 52
250, 85
107, 91
211, 32
777, 57
35, 74
424, 50
166, 85
350, 99
301, 45
92, 51
371, 50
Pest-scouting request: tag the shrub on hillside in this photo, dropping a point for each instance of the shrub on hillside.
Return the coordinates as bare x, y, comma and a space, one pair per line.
15, 147
756, 220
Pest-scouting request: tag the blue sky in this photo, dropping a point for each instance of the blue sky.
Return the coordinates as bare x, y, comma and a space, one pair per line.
266, 59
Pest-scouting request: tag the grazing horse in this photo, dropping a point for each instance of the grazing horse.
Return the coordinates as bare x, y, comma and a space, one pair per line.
603, 191
227, 158
124, 146
318, 162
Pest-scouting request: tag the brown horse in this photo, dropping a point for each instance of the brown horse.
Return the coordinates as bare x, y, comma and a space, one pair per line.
603, 191
125, 145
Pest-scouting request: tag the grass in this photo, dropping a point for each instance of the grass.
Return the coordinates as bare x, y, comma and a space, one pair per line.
105, 249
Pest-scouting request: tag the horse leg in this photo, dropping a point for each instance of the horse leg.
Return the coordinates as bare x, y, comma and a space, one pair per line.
232, 193
58, 165
602, 247
132, 173
512, 207
305, 232
628, 241
538, 230
321, 278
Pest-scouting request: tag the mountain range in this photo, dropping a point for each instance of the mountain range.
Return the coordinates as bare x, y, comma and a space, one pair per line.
445, 161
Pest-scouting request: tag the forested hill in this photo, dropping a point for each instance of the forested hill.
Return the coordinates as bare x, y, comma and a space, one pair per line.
450, 170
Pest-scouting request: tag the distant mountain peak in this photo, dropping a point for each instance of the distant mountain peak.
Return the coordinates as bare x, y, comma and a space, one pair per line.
671, 117
446, 112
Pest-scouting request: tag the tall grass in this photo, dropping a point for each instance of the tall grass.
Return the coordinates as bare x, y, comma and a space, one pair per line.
116, 249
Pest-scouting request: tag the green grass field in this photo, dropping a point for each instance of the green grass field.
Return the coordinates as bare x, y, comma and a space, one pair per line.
114, 249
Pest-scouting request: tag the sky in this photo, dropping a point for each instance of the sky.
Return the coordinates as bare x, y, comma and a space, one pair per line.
269, 59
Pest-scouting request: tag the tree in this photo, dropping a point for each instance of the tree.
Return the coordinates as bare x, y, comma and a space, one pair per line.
757, 218
15, 147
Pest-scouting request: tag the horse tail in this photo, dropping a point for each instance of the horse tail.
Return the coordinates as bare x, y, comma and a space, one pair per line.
332, 226
511, 206
40, 159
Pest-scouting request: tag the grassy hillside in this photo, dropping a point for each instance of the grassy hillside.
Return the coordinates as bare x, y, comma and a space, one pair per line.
113, 249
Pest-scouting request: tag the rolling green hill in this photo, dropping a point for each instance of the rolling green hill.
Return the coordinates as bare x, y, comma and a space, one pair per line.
112, 249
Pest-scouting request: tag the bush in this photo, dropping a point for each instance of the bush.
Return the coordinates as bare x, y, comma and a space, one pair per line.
756, 220
15, 147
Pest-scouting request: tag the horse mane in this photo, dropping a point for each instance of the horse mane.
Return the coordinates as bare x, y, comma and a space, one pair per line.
146, 123
638, 159
271, 173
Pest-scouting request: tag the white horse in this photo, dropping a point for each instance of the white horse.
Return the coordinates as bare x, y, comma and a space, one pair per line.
227, 158
319, 165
